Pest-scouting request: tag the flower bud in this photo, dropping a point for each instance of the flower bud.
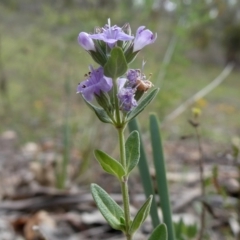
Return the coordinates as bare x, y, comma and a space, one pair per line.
86, 42
143, 38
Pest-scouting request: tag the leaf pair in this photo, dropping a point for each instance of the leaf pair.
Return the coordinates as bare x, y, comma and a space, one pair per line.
104, 117
114, 214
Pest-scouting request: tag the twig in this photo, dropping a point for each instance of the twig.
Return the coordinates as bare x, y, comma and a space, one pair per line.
195, 124
220, 78
201, 171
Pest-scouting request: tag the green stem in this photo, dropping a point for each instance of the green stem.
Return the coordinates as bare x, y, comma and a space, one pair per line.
124, 183
116, 103
120, 126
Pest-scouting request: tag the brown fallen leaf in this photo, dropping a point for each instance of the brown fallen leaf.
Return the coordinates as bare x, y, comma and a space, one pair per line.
42, 220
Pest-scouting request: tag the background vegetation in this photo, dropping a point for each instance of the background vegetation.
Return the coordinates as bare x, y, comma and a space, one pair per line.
41, 64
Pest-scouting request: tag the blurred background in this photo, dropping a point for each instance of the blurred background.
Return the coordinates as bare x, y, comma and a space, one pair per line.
41, 64
45, 125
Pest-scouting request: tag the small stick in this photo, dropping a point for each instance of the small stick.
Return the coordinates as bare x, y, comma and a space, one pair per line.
194, 123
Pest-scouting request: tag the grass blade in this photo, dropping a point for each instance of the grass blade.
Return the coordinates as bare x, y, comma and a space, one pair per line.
161, 178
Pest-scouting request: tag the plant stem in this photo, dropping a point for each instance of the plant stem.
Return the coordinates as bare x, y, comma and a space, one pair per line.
124, 183
201, 171
116, 103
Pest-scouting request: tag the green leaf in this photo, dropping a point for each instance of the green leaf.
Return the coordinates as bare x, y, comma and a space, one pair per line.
159, 233
100, 112
142, 104
110, 165
141, 215
132, 147
110, 210
161, 178
116, 65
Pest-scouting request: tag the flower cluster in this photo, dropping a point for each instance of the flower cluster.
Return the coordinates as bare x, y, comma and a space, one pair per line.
118, 90
131, 88
129, 84
100, 43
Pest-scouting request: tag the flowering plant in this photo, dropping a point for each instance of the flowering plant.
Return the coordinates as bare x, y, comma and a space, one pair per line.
120, 94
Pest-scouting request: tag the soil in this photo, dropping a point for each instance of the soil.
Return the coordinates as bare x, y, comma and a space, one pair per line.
32, 208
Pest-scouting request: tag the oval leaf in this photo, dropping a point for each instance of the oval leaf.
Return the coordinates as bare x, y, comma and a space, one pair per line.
132, 147
159, 233
142, 104
110, 210
141, 215
109, 164
116, 65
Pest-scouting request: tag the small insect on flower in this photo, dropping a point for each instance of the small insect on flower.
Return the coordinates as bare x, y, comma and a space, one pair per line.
144, 85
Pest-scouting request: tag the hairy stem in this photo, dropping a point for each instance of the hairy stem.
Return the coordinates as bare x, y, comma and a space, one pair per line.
124, 183
120, 126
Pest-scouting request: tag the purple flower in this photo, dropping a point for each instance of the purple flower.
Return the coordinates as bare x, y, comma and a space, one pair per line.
132, 76
126, 98
121, 82
86, 42
143, 38
111, 35
95, 83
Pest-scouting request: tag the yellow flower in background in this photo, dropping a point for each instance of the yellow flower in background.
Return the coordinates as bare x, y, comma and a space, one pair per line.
196, 112
201, 103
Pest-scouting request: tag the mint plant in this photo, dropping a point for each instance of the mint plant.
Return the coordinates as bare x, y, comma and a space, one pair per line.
117, 94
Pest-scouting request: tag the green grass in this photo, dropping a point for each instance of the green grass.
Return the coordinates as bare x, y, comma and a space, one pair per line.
40, 52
